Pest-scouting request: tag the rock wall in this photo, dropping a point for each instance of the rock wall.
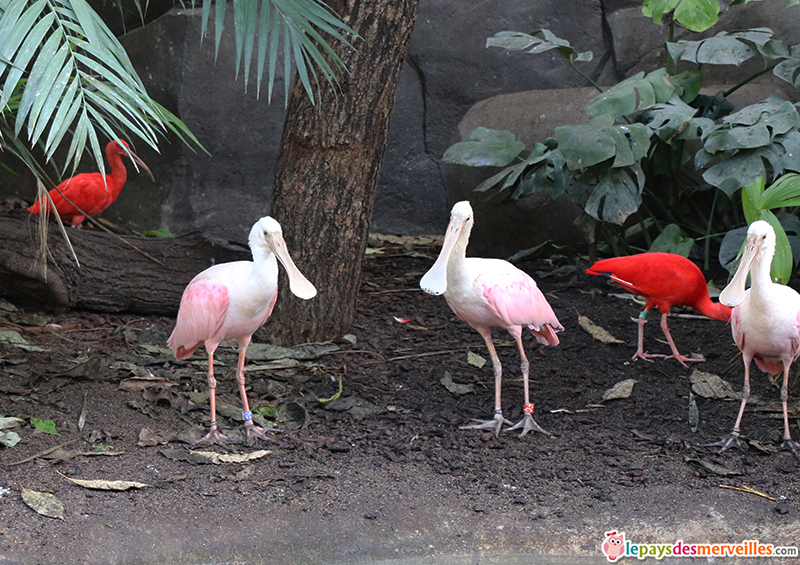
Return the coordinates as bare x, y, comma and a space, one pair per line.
448, 70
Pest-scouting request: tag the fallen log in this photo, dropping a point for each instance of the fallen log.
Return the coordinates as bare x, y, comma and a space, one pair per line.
125, 273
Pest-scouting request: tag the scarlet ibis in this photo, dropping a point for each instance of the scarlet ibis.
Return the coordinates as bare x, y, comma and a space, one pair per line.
89, 191
665, 280
488, 293
765, 324
231, 301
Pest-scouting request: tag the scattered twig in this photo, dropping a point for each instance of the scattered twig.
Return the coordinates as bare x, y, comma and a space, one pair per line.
41, 453
415, 356
750, 490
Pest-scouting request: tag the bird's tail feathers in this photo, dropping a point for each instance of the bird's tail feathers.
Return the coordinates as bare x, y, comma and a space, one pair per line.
546, 334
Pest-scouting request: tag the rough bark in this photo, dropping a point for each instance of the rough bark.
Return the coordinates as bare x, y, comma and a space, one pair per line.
328, 169
113, 276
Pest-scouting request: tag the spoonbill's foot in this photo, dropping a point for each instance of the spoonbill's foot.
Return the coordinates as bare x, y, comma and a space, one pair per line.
528, 424
251, 431
645, 356
495, 424
793, 446
682, 359
215, 437
733, 440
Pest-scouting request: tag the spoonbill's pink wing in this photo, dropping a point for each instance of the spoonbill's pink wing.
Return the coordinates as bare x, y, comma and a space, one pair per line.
518, 302
201, 315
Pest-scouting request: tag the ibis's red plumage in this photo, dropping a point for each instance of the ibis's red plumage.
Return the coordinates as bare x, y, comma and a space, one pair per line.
88, 190
665, 280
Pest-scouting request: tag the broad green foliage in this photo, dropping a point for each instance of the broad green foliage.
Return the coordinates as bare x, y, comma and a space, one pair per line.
600, 140
637, 133
761, 140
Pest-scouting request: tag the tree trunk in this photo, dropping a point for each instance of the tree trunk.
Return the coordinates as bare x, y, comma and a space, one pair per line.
328, 169
113, 276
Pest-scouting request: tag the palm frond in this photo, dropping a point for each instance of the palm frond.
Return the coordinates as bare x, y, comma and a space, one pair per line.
74, 78
302, 24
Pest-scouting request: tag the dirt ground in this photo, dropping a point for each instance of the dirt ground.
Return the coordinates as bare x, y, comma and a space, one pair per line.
383, 474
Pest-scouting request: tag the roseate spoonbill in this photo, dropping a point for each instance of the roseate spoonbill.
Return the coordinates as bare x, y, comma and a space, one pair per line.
665, 280
231, 301
488, 293
89, 191
765, 323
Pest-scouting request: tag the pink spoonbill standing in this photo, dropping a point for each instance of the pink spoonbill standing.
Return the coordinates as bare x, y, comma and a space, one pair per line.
765, 323
231, 301
488, 293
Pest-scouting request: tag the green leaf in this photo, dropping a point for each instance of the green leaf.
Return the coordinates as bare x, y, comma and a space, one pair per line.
742, 168
637, 93
600, 140
694, 15
530, 43
617, 195
14, 339
690, 82
45, 426
676, 119
485, 148
782, 261
672, 240
784, 192
722, 49
789, 70
751, 199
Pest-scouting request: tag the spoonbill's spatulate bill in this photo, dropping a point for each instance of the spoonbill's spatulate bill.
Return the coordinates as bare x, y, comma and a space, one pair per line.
90, 191
488, 293
231, 301
665, 280
765, 323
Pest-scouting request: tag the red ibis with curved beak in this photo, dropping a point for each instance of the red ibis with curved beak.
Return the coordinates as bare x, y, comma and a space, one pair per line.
231, 301
665, 280
765, 323
488, 293
91, 192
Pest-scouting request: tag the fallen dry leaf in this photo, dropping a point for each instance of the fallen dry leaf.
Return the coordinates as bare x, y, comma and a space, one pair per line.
149, 438
105, 485
596, 331
709, 385
622, 389
139, 383
475, 360
43, 503
455, 388
217, 458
